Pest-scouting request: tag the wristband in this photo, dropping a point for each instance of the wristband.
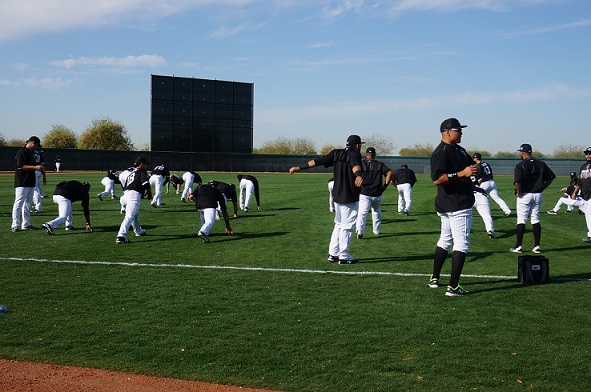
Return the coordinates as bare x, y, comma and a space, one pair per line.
358, 173
452, 176
306, 166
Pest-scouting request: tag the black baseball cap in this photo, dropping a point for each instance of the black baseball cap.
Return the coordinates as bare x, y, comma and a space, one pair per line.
354, 140
573, 174
451, 124
139, 160
404, 166
370, 150
525, 148
477, 156
34, 139
587, 150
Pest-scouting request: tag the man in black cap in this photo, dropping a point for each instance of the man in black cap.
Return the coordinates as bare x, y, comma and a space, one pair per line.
451, 171
584, 185
65, 194
531, 177
371, 192
567, 197
485, 180
347, 181
134, 185
404, 179
24, 184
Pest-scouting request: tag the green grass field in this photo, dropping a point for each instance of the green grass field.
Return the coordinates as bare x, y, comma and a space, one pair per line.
263, 308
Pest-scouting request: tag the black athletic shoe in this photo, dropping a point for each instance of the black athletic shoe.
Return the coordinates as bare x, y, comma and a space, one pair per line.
69, 228
457, 292
359, 236
587, 240
121, 240
352, 261
491, 234
333, 259
30, 227
48, 228
203, 237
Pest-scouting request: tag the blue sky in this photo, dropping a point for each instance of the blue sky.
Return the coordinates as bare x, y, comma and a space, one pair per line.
515, 71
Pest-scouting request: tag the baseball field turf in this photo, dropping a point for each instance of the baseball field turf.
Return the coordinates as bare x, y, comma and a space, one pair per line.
263, 308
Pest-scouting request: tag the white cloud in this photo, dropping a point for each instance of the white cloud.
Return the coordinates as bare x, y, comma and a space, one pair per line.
545, 29
146, 60
48, 83
368, 108
25, 18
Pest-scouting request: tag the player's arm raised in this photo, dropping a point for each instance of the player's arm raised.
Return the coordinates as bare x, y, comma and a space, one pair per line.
308, 165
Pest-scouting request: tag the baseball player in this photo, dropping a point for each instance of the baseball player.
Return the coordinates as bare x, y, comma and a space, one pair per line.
584, 186
38, 193
347, 181
109, 182
207, 198
531, 177
134, 185
566, 197
24, 184
229, 192
189, 178
404, 179
65, 194
160, 174
482, 205
248, 184
451, 171
330, 196
486, 182
176, 182
370, 196
58, 163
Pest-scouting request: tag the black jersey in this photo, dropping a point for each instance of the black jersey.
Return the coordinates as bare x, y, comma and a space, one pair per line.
484, 172
161, 170
533, 175
113, 175
255, 183
585, 181
74, 191
373, 171
404, 176
24, 178
137, 181
229, 190
457, 194
343, 161
208, 196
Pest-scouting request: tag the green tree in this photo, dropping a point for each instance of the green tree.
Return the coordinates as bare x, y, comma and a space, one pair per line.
105, 134
381, 143
484, 153
16, 142
507, 154
60, 136
328, 148
418, 150
569, 151
2, 140
283, 145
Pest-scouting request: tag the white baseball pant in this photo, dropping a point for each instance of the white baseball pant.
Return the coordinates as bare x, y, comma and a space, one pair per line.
23, 197
130, 201
482, 205
571, 204
109, 187
156, 181
207, 216
246, 189
344, 226
365, 204
64, 210
404, 197
330, 198
528, 205
491, 188
586, 208
188, 178
455, 229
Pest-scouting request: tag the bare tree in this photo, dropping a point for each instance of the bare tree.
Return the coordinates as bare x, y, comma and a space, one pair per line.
283, 145
382, 144
569, 151
418, 150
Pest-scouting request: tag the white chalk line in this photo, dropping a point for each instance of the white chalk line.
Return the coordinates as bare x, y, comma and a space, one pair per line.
265, 269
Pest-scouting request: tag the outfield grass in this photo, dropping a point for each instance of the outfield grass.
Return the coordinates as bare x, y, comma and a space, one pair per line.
263, 308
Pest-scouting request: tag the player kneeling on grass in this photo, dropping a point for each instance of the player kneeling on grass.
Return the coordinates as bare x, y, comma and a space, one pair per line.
206, 198
65, 194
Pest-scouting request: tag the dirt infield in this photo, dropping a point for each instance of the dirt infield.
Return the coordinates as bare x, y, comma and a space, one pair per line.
36, 377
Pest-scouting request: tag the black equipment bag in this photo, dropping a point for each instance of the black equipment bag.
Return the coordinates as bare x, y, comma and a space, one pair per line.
533, 269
